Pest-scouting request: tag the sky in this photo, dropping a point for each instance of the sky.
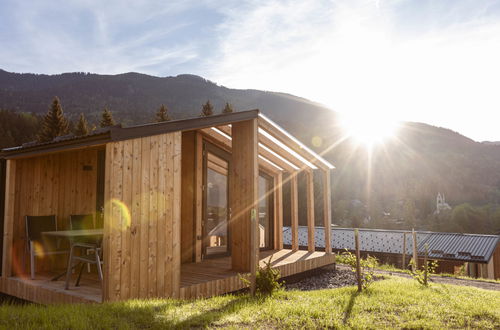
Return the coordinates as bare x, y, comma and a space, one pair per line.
432, 61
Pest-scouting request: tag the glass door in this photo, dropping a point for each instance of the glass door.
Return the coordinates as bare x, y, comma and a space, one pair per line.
216, 239
266, 211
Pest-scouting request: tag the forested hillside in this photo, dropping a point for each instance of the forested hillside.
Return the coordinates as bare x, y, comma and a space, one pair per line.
394, 187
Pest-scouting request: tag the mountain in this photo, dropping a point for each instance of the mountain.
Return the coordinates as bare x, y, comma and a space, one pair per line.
400, 177
134, 98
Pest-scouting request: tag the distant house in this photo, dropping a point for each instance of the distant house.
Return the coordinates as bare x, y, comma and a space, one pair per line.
479, 254
441, 204
185, 207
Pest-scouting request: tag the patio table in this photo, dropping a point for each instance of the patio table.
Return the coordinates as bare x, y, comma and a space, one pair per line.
74, 236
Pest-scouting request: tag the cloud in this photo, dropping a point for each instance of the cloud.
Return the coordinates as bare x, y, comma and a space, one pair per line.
431, 61
96, 36
400, 60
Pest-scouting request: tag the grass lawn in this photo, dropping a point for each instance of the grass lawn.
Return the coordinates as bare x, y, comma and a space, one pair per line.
395, 302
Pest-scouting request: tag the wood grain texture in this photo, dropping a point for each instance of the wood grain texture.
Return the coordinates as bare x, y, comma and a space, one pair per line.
188, 204
310, 211
213, 277
294, 204
278, 211
327, 211
9, 218
244, 195
143, 216
58, 184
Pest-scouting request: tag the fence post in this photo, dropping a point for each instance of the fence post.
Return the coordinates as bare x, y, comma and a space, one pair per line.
415, 254
426, 247
358, 266
404, 252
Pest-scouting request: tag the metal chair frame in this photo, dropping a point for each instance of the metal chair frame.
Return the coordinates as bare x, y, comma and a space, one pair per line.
30, 246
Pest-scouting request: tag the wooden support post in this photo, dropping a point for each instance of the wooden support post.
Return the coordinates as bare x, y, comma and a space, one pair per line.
358, 256
8, 238
415, 254
310, 212
403, 262
278, 209
244, 197
254, 237
198, 196
294, 213
327, 211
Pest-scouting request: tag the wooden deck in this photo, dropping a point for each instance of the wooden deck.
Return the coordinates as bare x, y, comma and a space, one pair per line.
204, 279
44, 291
213, 277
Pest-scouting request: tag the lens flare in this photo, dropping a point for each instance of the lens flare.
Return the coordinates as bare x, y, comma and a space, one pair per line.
120, 214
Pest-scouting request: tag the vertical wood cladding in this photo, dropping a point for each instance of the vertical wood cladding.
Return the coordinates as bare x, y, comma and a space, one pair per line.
142, 218
58, 184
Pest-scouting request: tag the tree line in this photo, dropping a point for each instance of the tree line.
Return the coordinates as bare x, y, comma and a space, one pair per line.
19, 128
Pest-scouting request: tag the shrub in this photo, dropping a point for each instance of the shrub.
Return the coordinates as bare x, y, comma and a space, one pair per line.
420, 275
367, 266
267, 280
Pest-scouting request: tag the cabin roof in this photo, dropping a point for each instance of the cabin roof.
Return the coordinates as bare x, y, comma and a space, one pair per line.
445, 246
118, 133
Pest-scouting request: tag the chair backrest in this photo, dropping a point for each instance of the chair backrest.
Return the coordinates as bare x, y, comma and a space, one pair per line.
99, 220
81, 221
36, 224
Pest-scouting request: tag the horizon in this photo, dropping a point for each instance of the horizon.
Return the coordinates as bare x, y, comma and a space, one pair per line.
433, 62
229, 87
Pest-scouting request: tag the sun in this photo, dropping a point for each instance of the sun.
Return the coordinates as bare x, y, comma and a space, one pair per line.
369, 131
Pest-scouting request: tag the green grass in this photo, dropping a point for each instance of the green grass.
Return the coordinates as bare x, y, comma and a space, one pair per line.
394, 303
394, 269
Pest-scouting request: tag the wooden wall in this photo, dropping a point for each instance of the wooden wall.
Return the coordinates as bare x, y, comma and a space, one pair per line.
191, 196
61, 184
142, 218
244, 196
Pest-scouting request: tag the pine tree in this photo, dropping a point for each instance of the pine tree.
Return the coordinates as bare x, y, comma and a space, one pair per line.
107, 118
207, 109
54, 123
228, 108
162, 114
82, 127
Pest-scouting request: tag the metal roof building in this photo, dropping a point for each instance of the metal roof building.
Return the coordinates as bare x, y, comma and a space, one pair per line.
475, 248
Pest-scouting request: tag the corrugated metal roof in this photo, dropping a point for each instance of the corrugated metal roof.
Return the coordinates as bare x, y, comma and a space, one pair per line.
450, 246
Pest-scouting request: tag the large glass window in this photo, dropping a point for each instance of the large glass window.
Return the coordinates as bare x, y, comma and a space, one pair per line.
216, 216
265, 211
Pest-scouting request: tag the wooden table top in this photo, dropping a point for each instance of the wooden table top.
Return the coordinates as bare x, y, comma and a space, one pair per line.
75, 233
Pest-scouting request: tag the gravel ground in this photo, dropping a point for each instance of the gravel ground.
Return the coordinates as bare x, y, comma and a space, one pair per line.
330, 278
325, 278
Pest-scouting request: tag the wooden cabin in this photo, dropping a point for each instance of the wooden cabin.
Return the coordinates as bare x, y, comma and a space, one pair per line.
187, 206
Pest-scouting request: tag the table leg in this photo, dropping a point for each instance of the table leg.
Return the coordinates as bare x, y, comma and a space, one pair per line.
69, 267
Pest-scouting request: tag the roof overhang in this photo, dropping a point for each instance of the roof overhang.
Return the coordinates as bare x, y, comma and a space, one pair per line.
274, 141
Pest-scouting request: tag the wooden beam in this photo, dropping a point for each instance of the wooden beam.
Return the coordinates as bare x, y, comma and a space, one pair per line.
8, 238
282, 152
176, 219
271, 129
106, 249
327, 210
278, 211
198, 196
273, 158
226, 144
310, 211
294, 212
244, 196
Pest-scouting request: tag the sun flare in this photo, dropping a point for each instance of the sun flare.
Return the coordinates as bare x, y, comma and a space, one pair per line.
369, 131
